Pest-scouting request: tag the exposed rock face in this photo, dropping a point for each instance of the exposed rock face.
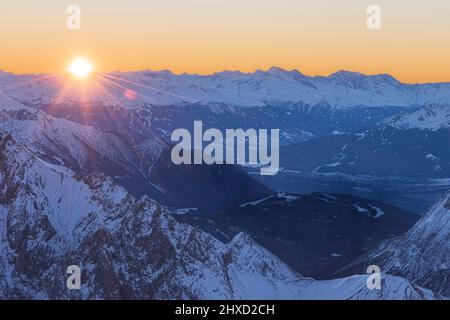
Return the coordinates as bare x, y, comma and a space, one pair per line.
421, 254
114, 141
127, 248
51, 218
60, 206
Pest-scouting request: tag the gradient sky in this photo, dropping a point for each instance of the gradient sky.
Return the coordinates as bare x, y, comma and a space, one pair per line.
203, 36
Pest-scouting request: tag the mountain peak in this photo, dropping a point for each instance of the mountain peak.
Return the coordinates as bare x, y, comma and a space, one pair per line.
274, 69
281, 71
345, 73
236, 88
387, 78
352, 75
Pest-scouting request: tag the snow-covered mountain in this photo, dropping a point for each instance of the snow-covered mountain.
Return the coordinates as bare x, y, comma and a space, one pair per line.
429, 118
355, 288
116, 142
341, 89
380, 151
421, 254
406, 166
83, 167
316, 234
51, 218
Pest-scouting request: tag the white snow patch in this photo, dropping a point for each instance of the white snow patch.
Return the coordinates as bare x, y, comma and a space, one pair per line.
360, 209
184, 210
378, 211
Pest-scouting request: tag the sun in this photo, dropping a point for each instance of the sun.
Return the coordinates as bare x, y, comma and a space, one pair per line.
80, 68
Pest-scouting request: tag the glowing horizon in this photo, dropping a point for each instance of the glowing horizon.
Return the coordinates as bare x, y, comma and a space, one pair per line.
205, 37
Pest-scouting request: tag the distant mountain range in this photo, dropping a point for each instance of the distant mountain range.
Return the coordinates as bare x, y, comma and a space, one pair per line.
86, 179
387, 161
387, 150
234, 88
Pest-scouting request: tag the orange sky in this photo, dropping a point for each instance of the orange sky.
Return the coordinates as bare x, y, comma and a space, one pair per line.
204, 36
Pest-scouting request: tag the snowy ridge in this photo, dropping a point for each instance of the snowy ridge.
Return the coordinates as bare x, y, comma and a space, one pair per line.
421, 254
341, 89
429, 118
74, 143
355, 288
129, 248
52, 217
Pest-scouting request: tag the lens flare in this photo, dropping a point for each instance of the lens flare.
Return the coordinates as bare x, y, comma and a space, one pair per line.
80, 68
